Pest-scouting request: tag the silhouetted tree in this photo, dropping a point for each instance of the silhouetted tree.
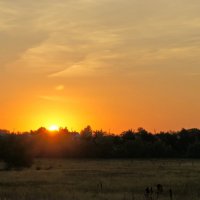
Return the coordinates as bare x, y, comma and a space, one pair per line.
86, 133
128, 135
19, 149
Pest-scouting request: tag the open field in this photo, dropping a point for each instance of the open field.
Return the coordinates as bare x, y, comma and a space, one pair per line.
101, 179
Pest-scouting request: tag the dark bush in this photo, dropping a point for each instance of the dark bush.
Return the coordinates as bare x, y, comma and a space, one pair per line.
17, 153
194, 150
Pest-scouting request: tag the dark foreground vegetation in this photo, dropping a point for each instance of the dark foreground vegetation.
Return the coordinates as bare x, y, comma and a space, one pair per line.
19, 149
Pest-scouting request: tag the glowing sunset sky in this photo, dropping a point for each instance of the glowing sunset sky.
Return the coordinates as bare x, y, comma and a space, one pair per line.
113, 64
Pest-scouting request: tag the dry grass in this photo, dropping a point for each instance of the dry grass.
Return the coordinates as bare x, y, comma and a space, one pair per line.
101, 180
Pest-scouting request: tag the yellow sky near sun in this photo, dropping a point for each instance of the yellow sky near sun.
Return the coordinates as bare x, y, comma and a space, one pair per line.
113, 64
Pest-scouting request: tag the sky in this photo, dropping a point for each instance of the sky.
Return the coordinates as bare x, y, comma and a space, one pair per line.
111, 64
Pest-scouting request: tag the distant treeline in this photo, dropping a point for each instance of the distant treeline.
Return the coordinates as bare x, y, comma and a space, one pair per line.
21, 148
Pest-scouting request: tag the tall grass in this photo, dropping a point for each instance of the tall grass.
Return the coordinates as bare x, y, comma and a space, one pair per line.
101, 180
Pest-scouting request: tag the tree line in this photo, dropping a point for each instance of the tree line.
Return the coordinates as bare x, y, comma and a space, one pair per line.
20, 149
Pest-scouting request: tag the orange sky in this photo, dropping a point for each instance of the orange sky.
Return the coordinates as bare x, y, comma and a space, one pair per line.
113, 64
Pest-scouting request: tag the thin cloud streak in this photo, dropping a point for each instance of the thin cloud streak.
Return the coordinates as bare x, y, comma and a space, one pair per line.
51, 98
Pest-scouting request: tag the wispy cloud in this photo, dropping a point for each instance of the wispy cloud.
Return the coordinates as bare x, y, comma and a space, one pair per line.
51, 98
60, 87
96, 37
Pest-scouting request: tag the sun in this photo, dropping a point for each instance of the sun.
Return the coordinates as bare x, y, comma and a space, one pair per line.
53, 128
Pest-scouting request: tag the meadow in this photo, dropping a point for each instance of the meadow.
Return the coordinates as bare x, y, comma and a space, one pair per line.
74, 179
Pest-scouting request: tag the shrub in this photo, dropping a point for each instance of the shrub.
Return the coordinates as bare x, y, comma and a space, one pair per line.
17, 153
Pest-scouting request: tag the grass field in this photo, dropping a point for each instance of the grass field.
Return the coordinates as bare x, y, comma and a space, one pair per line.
101, 179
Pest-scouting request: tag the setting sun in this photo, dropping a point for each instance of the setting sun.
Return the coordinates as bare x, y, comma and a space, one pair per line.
53, 128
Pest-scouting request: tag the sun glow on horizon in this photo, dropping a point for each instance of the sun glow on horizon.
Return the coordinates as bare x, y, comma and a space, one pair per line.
53, 128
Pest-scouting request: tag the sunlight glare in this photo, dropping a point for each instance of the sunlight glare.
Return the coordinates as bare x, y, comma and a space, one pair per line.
53, 128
